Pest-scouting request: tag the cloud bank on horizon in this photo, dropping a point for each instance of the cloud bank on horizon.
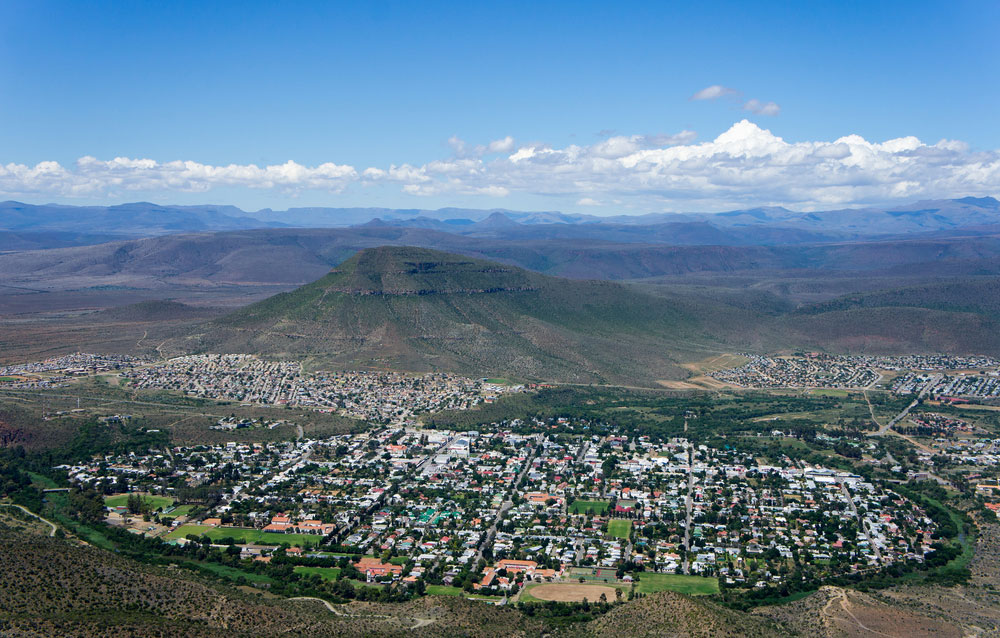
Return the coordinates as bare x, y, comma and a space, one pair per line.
746, 165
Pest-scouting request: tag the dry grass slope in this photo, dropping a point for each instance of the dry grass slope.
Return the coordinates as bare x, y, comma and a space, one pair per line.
52, 587
670, 615
834, 612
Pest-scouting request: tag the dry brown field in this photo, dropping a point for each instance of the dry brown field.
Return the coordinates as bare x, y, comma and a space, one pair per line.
568, 592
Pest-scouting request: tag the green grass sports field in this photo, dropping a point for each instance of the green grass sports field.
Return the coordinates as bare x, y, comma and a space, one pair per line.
620, 528
694, 585
245, 535
583, 507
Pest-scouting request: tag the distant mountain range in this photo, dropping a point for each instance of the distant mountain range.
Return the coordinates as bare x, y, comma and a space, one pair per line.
140, 219
296, 256
757, 226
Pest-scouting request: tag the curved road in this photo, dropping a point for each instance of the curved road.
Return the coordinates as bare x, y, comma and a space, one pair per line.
52, 532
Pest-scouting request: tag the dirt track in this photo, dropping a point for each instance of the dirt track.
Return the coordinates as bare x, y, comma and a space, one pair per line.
862, 617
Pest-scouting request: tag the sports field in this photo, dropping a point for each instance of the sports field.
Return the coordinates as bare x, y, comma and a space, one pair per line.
602, 574
121, 500
620, 528
830, 392
326, 573
245, 535
583, 507
695, 585
568, 592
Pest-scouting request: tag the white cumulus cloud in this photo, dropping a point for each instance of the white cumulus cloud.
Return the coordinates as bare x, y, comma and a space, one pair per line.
745, 165
761, 108
504, 145
714, 92
92, 176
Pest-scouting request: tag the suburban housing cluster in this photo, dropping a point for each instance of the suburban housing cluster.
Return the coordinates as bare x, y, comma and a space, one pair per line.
375, 396
982, 384
57, 371
859, 372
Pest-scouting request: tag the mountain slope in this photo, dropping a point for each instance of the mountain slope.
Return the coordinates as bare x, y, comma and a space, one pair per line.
979, 296
421, 309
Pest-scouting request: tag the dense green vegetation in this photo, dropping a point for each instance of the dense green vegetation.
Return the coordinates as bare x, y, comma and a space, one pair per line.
662, 414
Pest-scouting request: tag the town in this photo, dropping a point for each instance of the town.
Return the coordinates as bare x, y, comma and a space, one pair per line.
494, 512
861, 372
526, 508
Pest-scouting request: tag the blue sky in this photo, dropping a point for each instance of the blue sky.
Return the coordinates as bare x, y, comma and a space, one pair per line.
193, 94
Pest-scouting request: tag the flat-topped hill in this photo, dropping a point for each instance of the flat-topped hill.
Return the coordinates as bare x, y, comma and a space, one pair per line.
420, 309
391, 270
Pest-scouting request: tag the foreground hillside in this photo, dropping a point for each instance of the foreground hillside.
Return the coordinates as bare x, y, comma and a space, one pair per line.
53, 587
667, 614
833, 612
421, 309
